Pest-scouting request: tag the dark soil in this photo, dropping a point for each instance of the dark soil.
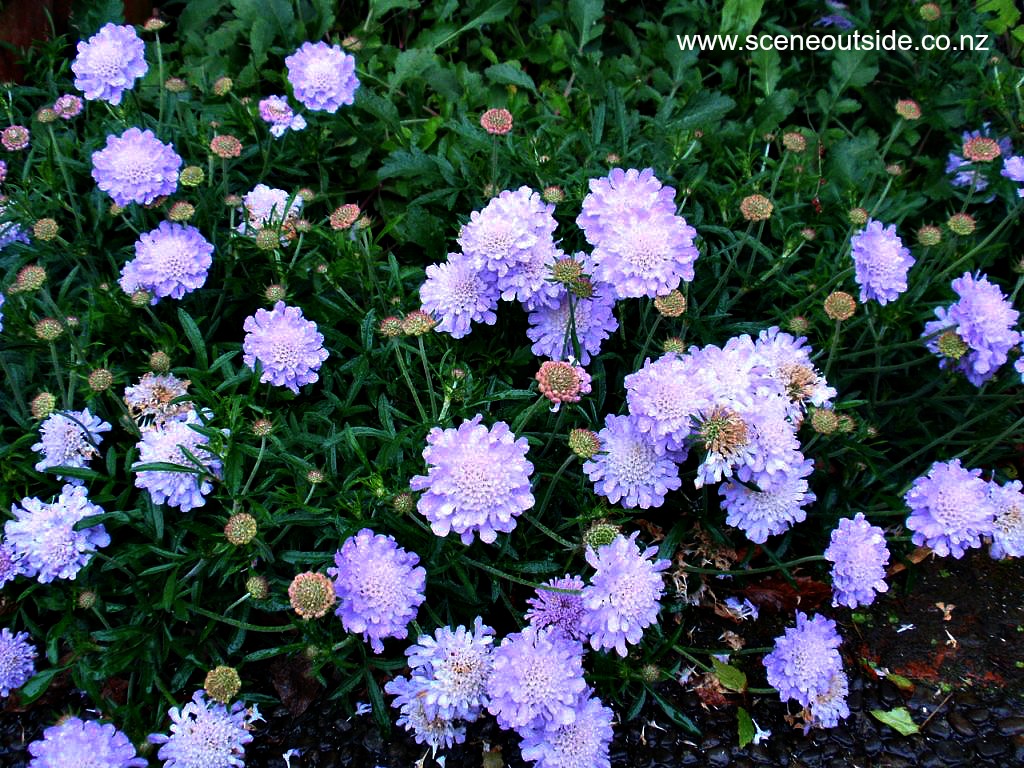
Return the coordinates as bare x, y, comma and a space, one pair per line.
959, 670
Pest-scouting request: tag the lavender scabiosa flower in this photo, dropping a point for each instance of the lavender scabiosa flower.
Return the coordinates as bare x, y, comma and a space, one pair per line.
805, 659
379, 587
592, 319
560, 607
454, 667
787, 366
965, 168
136, 167
428, 727
109, 63
69, 439
10, 562
537, 680
2, 300
167, 442
67, 106
629, 468
204, 734
880, 262
44, 538
86, 743
10, 232
646, 254
983, 319
477, 481
1008, 529
859, 555
287, 346
268, 207
16, 661
663, 397
323, 76
583, 743
950, 509
828, 708
529, 282
502, 236
171, 260
458, 294
276, 111
620, 193
771, 511
1013, 169
622, 597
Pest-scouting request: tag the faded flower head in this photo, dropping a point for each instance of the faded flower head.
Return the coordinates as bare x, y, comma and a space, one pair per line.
100, 379
311, 595
477, 481
584, 443
166, 442
16, 661
222, 683
322, 76
276, 111
45, 230
74, 742
881, 262
69, 439
136, 167
950, 509
151, 400
288, 347
379, 587
908, 109
67, 106
840, 305
14, 138
497, 122
794, 142
240, 529
344, 216
962, 224
170, 261
929, 235
44, 538
622, 599
109, 63
225, 146
859, 555
756, 208
205, 734
562, 382
671, 304
42, 405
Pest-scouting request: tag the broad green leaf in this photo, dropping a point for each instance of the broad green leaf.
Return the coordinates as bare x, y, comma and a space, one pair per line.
584, 15
898, 719
195, 338
706, 110
740, 16
744, 727
767, 70
509, 74
729, 676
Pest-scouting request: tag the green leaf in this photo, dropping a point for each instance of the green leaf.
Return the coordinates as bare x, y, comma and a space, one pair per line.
853, 69
744, 727
402, 164
1006, 11
729, 676
584, 15
898, 719
195, 338
767, 72
260, 37
509, 74
706, 110
87, 16
410, 64
380, 7
37, 685
740, 16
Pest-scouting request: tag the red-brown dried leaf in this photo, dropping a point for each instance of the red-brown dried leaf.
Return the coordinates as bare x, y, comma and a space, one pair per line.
294, 686
777, 594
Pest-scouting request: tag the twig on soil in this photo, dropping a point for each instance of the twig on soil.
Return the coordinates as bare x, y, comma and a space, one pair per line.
935, 711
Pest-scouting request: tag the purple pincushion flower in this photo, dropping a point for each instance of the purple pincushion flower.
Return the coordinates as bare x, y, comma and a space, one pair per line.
75, 740
829, 707
205, 733
620, 193
1008, 529
477, 481
880, 262
453, 667
287, 346
983, 319
592, 319
428, 727
322, 76
789, 371
2, 300
109, 63
44, 536
171, 260
10, 231
69, 439
10, 563
136, 167
621, 600
16, 660
583, 742
561, 606
1013, 169
771, 510
458, 294
805, 660
502, 237
278, 112
537, 680
664, 396
268, 207
379, 587
859, 555
629, 469
950, 509
166, 442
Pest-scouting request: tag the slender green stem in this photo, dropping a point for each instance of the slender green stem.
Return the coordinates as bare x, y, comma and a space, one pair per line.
500, 574
408, 381
429, 379
252, 474
754, 571
240, 624
524, 418
554, 481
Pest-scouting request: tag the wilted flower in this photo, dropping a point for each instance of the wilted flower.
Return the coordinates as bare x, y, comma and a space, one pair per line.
859, 555
984, 148
417, 323
962, 224
42, 405
101, 746
205, 734
69, 439
840, 305
136, 167
29, 278
166, 442
908, 109
497, 122
240, 529
671, 304
14, 138
477, 481
322, 76
344, 216
181, 211
756, 208
44, 537
157, 397
881, 262
621, 600
794, 142
278, 112
49, 329
562, 382
1008, 530
67, 106
951, 509
16, 661
100, 380
311, 595
288, 347
45, 230
379, 587
222, 86
225, 146
222, 683
170, 261
584, 443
